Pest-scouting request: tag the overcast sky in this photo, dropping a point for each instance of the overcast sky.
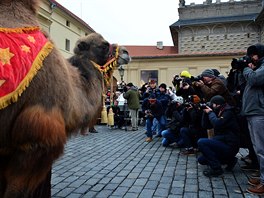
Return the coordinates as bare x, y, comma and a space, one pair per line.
129, 22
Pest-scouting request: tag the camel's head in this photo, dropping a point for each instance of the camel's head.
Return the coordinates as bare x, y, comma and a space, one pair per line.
97, 49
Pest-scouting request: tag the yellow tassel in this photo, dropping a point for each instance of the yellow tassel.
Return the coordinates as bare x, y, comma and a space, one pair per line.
110, 117
104, 116
20, 30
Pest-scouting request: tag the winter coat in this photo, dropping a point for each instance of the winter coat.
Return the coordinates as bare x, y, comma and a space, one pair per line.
155, 109
253, 96
217, 87
132, 97
225, 124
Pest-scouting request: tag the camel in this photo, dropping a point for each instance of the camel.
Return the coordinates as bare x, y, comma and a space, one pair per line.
45, 99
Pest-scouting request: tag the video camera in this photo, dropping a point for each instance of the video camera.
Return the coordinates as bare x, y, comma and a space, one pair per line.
240, 63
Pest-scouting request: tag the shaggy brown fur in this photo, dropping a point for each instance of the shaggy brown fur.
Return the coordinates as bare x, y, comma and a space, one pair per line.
60, 100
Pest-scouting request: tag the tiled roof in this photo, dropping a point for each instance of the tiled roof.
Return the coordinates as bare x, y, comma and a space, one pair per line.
150, 51
249, 17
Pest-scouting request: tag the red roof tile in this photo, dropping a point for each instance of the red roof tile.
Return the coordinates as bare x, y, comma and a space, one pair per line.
150, 51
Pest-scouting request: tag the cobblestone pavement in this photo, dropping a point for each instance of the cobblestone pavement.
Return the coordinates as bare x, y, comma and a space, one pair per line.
118, 163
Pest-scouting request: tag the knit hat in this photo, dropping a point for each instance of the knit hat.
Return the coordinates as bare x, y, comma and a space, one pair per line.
152, 98
216, 72
187, 80
219, 100
178, 99
252, 50
185, 74
208, 73
163, 85
130, 84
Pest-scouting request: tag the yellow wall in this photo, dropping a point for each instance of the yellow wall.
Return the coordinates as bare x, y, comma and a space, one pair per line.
167, 68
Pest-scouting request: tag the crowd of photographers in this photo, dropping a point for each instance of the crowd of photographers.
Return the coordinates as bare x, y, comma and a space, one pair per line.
213, 115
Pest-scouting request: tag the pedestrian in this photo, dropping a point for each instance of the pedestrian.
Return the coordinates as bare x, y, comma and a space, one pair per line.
132, 96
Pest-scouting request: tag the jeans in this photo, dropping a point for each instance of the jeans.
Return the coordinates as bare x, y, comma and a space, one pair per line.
215, 152
168, 137
155, 125
186, 135
256, 126
162, 123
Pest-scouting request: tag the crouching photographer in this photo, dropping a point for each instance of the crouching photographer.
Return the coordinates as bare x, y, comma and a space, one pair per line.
174, 113
224, 145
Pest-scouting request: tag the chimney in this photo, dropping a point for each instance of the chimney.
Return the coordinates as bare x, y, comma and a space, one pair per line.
160, 45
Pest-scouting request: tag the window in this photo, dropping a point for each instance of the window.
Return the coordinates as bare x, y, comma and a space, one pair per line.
67, 45
147, 75
68, 23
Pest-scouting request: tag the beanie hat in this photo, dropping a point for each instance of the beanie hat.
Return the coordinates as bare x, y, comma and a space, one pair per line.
252, 50
219, 100
185, 74
178, 99
152, 97
208, 73
130, 84
163, 85
187, 80
216, 72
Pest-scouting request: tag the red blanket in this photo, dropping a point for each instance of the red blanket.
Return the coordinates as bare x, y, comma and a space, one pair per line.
22, 51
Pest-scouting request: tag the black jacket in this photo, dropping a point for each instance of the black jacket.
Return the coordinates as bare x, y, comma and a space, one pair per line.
225, 124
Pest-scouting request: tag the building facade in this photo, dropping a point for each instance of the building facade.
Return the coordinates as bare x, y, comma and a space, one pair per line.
205, 36
64, 27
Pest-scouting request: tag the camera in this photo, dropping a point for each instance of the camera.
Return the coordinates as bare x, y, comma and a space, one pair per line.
148, 114
176, 80
240, 63
203, 105
197, 78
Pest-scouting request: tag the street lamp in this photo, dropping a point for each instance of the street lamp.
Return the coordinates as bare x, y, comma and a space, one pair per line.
121, 72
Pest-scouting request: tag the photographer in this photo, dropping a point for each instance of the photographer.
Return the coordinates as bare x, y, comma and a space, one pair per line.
185, 89
153, 109
224, 145
210, 86
151, 89
178, 78
171, 133
253, 109
192, 129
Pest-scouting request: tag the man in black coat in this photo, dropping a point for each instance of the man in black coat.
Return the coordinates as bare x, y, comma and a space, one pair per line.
223, 147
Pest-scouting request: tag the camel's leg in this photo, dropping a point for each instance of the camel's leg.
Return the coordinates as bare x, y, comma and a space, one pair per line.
38, 137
